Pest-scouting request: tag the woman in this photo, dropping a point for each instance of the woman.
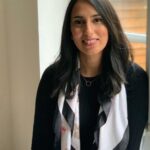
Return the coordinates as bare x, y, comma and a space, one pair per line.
93, 96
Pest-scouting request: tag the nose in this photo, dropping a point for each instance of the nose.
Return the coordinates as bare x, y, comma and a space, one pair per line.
88, 29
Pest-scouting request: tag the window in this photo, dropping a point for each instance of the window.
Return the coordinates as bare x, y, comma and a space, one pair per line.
133, 17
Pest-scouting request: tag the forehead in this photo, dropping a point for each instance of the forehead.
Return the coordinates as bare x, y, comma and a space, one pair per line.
83, 8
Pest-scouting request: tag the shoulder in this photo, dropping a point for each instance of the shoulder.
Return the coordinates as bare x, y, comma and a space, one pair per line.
137, 102
49, 72
46, 84
44, 112
136, 74
137, 81
137, 94
47, 76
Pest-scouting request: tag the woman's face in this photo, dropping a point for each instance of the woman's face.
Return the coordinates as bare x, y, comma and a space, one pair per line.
89, 33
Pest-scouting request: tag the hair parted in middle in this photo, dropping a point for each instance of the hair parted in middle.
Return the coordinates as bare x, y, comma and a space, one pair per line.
115, 60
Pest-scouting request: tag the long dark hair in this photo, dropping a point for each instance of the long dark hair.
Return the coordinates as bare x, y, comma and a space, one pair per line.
115, 60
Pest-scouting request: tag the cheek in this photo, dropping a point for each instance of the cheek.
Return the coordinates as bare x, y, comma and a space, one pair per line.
104, 33
76, 34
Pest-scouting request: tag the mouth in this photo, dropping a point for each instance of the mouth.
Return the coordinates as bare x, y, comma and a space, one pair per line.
90, 42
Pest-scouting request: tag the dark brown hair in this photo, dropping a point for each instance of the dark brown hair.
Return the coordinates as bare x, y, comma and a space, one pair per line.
115, 59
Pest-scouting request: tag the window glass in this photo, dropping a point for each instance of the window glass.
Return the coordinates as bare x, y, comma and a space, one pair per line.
139, 53
133, 15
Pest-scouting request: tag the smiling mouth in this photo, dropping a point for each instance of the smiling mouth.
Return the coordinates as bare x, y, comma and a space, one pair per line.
90, 42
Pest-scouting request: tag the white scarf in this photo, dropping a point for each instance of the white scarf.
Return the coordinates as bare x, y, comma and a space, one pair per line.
113, 134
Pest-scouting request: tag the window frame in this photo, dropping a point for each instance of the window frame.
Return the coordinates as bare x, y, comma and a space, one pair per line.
148, 50
136, 37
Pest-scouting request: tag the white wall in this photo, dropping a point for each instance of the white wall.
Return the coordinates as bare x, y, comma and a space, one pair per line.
19, 72
148, 48
51, 15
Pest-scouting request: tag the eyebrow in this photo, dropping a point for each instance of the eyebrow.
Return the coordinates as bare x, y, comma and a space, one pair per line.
97, 15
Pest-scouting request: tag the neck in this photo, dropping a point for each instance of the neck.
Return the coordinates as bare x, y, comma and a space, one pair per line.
90, 66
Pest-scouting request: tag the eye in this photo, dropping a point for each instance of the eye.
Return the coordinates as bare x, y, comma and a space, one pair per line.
77, 22
98, 20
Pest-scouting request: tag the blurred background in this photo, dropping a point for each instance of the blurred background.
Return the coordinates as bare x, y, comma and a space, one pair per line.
133, 17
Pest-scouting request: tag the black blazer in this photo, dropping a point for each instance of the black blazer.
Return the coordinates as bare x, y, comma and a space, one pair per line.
137, 102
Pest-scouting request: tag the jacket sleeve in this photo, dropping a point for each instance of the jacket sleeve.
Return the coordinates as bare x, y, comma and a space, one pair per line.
137, 95
44, 110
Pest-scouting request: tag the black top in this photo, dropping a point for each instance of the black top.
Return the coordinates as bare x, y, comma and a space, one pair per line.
89, 108
137, 102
